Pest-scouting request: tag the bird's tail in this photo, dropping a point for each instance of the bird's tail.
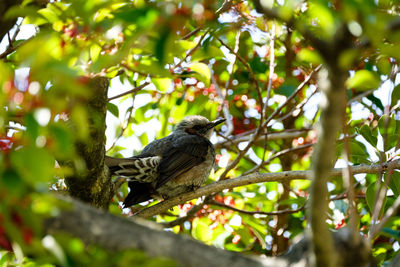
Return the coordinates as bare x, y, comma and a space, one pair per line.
138, 192
140, 169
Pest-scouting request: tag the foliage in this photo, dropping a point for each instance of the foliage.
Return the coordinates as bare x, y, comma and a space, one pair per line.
213, 58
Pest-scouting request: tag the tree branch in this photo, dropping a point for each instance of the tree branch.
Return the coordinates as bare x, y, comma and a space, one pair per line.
252, 179
114, 233
287, 134
333, 107
279, 212
134, 90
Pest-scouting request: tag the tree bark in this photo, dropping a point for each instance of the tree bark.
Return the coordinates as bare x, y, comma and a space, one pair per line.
94, 186
114, 233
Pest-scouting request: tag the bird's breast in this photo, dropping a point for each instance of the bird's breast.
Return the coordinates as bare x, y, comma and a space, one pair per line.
189, 180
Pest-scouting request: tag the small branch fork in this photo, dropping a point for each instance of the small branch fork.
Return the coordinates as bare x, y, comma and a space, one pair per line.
134, 90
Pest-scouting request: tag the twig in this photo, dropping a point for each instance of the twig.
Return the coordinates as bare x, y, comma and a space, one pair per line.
230, 68
278, 212
297, 107
379, 203
191, 51
286, 134
381, 189
259, 128
343, 196
126, 124
392, 211
277, 155
11, 49
271, 67
134, 90
298, 89
225, 108
190, 34
8, 127
190, 214
348, 181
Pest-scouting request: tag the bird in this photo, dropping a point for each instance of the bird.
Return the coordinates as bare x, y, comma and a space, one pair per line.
178, 163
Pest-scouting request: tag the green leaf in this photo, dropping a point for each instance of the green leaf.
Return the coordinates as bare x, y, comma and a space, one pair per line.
376, 101
363, 80
113, 109
48, 14
310, 56
257, 65
185, 44
387, 127
32, 126
95, 50
323, 16
358, 152
207, 53
201, 230
391, 232
203, 72
12, 181
367, 133
395, 183
33, 164
384, 66
162, 84
395, 96
286, 90
161, 46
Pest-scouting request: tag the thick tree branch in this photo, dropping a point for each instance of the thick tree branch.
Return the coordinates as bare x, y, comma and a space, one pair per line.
94, 226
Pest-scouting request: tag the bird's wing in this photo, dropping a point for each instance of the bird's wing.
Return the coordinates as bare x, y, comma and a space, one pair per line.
139, 168
185, 153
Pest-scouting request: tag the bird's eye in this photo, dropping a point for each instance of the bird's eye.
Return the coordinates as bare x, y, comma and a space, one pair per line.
197, 127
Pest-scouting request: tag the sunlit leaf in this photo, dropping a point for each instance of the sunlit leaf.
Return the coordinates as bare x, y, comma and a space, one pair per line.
162, 84
384, 65
323, 17
201, 230
310, 56
95, 50
203, 72
363, 80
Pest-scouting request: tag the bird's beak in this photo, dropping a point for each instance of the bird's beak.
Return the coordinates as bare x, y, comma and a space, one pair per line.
216, 122
208, 129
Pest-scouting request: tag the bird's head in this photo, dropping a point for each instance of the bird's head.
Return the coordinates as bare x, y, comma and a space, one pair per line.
198, 125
